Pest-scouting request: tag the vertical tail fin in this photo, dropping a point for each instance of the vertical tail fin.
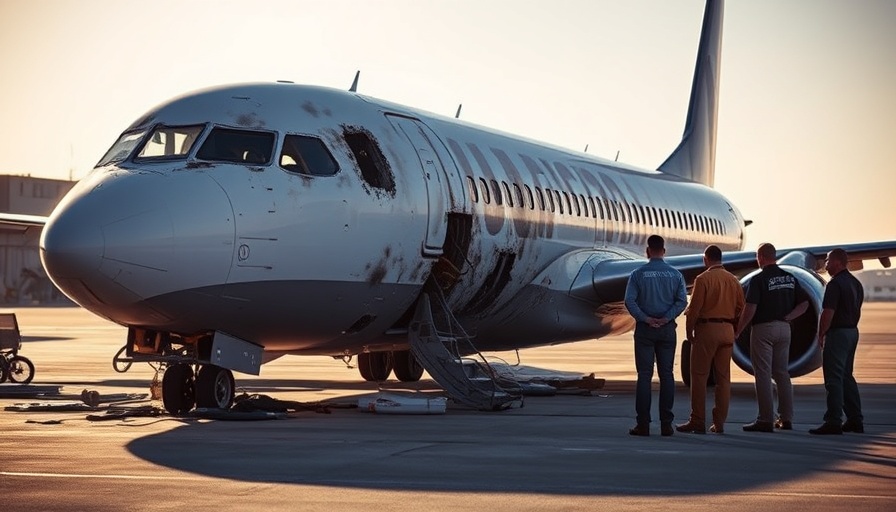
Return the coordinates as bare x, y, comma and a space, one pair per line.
695, 156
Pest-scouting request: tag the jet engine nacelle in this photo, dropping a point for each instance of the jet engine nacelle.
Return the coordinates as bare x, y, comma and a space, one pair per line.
805, 354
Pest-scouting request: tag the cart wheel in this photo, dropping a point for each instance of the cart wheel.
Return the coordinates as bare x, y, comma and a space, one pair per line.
119, 363
21, 370
4, 369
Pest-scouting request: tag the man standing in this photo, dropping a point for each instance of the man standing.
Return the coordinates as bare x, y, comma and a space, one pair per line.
838, 336
655, 296
717, 301
771, 305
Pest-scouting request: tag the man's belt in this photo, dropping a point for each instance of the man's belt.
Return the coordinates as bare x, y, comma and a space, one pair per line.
715, 321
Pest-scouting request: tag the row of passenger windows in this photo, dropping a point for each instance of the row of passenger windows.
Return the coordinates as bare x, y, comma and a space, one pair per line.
566, 203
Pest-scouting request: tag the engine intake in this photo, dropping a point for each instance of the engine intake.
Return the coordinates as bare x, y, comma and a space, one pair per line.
805, 354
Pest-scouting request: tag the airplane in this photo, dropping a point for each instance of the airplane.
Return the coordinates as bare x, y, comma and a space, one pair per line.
237, 224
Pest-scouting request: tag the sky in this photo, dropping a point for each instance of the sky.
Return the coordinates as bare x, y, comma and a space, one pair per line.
807, 114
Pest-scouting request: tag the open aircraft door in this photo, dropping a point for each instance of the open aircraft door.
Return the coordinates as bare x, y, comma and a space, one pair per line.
444, 184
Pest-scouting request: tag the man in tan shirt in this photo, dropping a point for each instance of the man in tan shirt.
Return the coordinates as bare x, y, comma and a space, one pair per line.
716, 304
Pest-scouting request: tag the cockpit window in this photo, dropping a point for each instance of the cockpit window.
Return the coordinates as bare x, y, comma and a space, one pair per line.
170, 142
122, 148
239, 146
307, 155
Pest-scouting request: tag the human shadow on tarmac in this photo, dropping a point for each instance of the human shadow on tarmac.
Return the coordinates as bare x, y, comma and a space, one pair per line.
569, 445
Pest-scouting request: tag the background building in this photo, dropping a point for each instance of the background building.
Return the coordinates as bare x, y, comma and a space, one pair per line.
878, 284
22, 277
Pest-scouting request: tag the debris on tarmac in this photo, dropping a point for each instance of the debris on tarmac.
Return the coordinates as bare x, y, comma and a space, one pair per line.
28, 390
395, 403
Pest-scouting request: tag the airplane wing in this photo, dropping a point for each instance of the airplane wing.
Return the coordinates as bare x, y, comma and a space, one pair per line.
20, 222
609, 276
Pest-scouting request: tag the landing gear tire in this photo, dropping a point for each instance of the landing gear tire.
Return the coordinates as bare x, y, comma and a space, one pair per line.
20, 370
4, 369
686, 363
375, 366
406, 367
178, 389
214, 387
686, 366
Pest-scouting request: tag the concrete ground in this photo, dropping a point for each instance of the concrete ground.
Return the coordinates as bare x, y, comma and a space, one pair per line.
565, 452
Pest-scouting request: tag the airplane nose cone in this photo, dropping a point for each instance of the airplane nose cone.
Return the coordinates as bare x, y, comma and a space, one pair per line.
121, 238
70, 247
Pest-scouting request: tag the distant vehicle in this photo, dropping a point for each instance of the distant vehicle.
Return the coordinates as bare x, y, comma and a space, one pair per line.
13, 366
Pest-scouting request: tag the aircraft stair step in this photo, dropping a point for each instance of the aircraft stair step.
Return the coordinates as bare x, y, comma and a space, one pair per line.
467, 381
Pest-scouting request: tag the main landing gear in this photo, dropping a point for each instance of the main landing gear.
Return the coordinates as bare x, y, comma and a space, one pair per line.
211, 387
376, 366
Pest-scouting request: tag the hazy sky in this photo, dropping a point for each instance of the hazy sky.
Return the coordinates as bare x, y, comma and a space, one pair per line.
807, 120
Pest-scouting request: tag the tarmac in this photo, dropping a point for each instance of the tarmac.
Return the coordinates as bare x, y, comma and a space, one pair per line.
564, 452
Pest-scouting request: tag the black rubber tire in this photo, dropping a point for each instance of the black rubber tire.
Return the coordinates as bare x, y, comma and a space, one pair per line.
214, 387
20, 370
405, 366
4, 369
375, 366
178, 389
686, 363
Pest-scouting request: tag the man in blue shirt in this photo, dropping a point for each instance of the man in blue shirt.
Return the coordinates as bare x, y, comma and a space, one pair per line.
655, 296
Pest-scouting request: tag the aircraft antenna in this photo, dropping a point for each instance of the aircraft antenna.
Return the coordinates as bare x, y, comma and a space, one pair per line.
354, 87
457, 115
617, 156
586, 148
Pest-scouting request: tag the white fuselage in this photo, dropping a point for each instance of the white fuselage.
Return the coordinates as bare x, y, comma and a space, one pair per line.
330, 264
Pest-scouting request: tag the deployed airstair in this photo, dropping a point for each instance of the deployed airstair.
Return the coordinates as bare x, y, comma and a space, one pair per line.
441, 345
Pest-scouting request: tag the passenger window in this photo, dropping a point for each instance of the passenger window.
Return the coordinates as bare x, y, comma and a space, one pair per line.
507, 193
496, 189
474, 194
483, 186
519, 195
575, 203
239, 146
531, 200
307, 155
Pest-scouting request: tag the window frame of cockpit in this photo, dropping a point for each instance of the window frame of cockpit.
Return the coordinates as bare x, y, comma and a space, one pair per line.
204, 130
282, 145
140, 134
201, 141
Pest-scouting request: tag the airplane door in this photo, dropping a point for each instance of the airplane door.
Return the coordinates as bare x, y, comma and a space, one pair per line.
444, 187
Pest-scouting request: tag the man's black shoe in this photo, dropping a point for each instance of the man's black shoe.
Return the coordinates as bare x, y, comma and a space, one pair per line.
827, 429
716, 429
759, 426
783, 425
853, 426
667, 430
639, 430
690, 426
